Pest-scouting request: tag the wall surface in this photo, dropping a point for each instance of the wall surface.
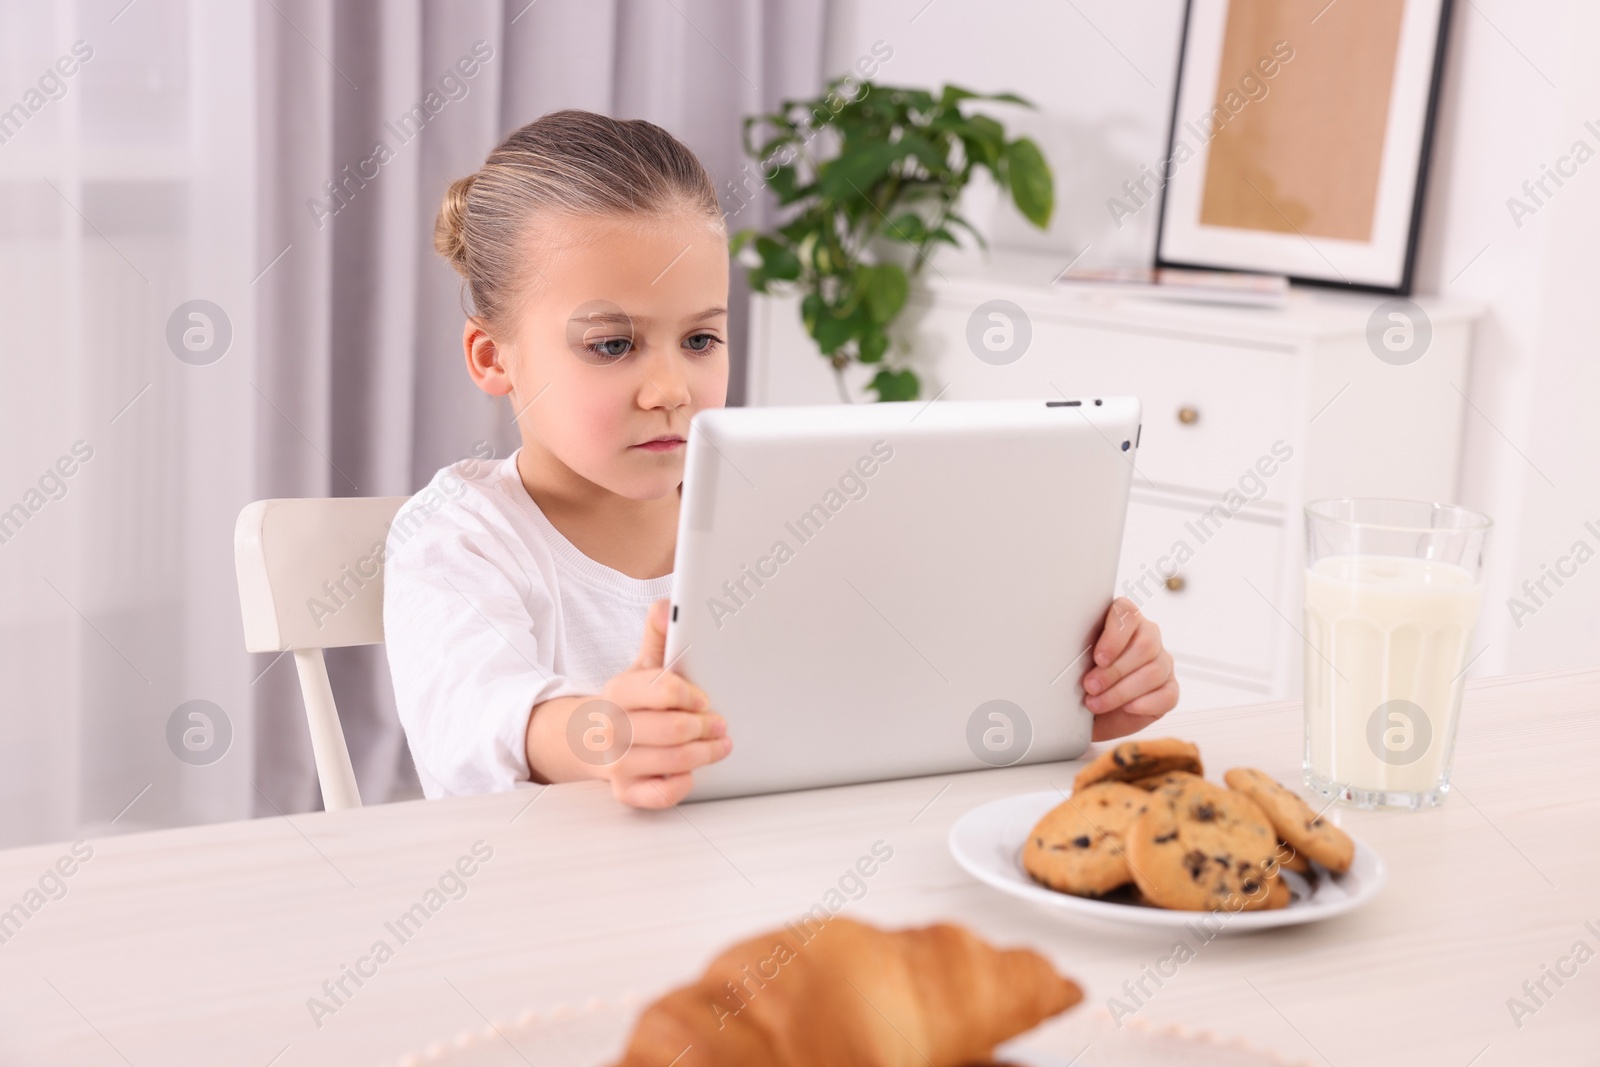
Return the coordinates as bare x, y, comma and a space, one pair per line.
1519, 90
1100, 74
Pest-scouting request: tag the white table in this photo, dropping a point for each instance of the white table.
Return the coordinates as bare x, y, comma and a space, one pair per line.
202, 945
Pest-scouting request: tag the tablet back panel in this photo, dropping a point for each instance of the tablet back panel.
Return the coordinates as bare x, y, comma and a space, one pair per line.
886, 590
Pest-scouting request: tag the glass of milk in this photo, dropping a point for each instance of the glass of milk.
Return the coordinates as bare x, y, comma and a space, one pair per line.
1392, 594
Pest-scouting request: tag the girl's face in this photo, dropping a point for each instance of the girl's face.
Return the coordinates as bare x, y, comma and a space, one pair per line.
621, 339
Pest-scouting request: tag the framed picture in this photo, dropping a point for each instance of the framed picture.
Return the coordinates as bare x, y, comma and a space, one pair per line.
1300, 138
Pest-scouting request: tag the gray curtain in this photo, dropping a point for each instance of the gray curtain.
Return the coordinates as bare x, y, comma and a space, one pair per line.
361, 388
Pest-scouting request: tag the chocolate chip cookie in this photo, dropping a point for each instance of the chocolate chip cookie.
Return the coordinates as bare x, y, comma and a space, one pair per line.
1202, 848
1078, 846
1309, 833
1291, 859
1163, 783
1140, 759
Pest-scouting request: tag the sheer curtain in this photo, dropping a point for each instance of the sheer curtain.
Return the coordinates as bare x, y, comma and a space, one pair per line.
215, 243
127, 189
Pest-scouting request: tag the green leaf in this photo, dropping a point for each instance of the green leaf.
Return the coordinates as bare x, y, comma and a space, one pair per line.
873, 346
821, 258
781, 182
895, 384
833, 325
936, 161
749, 128
832, 331
884, 288
800, 233
781, 130
764, 151
954, 93
811, 309
798, 192
737, 242
850, 175
907, 226
778, 260
915, 99
985, 139
952, 217
1032, 186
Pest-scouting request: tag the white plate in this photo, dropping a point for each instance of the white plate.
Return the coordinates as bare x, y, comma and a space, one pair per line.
578, 1035
596, 1032
987, 841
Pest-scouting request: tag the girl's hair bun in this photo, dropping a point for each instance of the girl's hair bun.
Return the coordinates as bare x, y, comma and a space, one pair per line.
449, 229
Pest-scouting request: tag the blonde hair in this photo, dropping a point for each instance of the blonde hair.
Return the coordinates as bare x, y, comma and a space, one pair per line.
565, 164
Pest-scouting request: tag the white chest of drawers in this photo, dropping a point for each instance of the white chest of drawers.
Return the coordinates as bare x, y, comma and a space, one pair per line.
1248, 413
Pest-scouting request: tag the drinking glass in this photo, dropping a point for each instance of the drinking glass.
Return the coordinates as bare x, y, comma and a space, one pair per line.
1393, 589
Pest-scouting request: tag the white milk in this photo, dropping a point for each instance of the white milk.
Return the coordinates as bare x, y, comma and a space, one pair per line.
1381, 629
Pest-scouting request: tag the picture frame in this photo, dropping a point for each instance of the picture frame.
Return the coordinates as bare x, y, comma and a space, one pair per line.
1300, 139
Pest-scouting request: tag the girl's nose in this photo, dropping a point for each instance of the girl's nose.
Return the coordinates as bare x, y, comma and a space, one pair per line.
665, 387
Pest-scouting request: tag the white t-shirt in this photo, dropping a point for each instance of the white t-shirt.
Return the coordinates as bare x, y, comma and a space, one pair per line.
489, 610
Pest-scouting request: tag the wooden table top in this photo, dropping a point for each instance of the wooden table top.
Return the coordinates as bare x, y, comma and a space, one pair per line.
204, 945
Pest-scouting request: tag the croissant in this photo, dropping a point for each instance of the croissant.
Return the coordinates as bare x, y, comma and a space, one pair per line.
843, 993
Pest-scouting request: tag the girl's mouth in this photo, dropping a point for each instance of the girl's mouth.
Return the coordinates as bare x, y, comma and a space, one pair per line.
661, 444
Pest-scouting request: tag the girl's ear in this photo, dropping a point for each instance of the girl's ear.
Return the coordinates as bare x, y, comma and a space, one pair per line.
485, 362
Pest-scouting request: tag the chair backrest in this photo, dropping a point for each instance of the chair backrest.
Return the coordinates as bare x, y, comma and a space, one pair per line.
311, 571
311, 577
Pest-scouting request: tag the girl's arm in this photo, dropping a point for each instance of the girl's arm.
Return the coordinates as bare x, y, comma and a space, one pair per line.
645, 732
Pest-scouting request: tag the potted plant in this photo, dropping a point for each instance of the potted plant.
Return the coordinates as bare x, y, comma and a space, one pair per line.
862, 220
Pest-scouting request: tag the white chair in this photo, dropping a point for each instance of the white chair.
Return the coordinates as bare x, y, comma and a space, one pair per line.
311, 577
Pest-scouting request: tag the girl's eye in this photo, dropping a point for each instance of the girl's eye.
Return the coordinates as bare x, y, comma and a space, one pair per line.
611, 348
702, 342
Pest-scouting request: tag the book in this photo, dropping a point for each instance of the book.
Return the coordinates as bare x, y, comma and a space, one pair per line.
1173, 283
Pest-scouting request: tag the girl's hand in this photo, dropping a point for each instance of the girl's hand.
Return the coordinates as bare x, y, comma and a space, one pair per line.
1131, 684
673, 727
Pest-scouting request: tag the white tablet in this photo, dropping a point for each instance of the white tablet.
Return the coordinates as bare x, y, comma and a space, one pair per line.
871, 591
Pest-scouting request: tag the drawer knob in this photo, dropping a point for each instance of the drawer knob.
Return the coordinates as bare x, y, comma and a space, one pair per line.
1176, 583
1188, 416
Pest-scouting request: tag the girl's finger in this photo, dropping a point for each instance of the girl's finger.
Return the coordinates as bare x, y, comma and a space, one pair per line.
652, 761
1122, 622
1115, 724
1136, 683
1134, 717
1155, 703
1141, 649
653, 644
662, 728
653, 793
655, 690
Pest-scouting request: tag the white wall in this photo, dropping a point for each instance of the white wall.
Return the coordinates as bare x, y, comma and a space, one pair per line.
1102, 101
1519, 87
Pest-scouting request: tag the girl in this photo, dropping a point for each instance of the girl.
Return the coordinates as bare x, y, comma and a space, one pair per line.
596, 257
